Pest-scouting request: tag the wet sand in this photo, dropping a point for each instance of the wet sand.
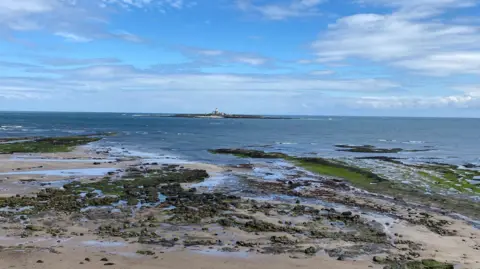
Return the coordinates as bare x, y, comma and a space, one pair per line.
75, 258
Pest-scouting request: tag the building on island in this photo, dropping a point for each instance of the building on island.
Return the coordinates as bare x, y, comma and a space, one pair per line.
218, 113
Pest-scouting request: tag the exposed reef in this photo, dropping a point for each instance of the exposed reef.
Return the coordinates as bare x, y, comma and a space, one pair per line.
373, 149
367, 179
319, 209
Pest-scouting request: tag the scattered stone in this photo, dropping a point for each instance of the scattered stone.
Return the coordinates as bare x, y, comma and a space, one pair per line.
310, 251
146, 252
378, 259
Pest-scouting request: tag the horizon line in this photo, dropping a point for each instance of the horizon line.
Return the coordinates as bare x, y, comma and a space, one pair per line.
286, 115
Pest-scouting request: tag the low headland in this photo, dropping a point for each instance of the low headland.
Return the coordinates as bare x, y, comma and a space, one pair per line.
68, 203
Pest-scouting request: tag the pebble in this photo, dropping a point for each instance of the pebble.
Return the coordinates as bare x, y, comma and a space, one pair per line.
104, 260
39, 261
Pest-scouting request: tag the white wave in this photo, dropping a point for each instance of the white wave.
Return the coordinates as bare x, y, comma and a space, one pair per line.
12, 126
286, 143
211, 182
414, 142
387, 140
165, 158
74, 131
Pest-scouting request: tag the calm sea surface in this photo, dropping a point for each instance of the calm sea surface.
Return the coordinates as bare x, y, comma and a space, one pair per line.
451, 140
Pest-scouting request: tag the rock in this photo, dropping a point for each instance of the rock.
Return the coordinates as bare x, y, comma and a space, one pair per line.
310, 251
283, 240
433, 264
87, 259
341, 258
104, 260
347, 213
109, 263
39, 261
378, 259
34, 228
145, 252
245, 166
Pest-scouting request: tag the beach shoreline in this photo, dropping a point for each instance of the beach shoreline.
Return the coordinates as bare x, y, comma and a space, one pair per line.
385, 229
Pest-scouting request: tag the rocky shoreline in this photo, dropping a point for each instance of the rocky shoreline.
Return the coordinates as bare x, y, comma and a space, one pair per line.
149, 214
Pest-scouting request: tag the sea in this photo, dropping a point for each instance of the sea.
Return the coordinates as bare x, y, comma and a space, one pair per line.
448, 140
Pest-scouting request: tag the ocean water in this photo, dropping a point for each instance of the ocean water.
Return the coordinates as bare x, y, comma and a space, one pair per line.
450, 140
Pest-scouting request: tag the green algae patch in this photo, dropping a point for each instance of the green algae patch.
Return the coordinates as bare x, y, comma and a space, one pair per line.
333, 168
47, 145
355, 175
148, 186
375, 183
447, 176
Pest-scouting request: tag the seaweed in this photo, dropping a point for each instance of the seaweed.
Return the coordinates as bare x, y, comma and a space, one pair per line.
49, 144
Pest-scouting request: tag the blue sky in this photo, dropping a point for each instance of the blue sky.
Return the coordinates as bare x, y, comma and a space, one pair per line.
313, 57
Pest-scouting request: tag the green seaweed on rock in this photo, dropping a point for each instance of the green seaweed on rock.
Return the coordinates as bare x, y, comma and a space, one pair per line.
48, 144
373, 182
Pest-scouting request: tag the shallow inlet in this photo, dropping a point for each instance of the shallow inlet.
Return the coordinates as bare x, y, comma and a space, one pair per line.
66, 172
40, 159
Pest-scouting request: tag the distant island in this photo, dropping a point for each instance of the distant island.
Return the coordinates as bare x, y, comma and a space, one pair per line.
220, 115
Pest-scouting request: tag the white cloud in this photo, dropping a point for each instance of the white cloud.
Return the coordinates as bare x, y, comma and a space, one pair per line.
445, 63
295, 8
76, 61
127, 36
73, 37
224, 56
124, 77
414, 102
422, 3
211, 52
411, 37
176, 4
26, 6
471, 90
322, 72
251, 60
77, 21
